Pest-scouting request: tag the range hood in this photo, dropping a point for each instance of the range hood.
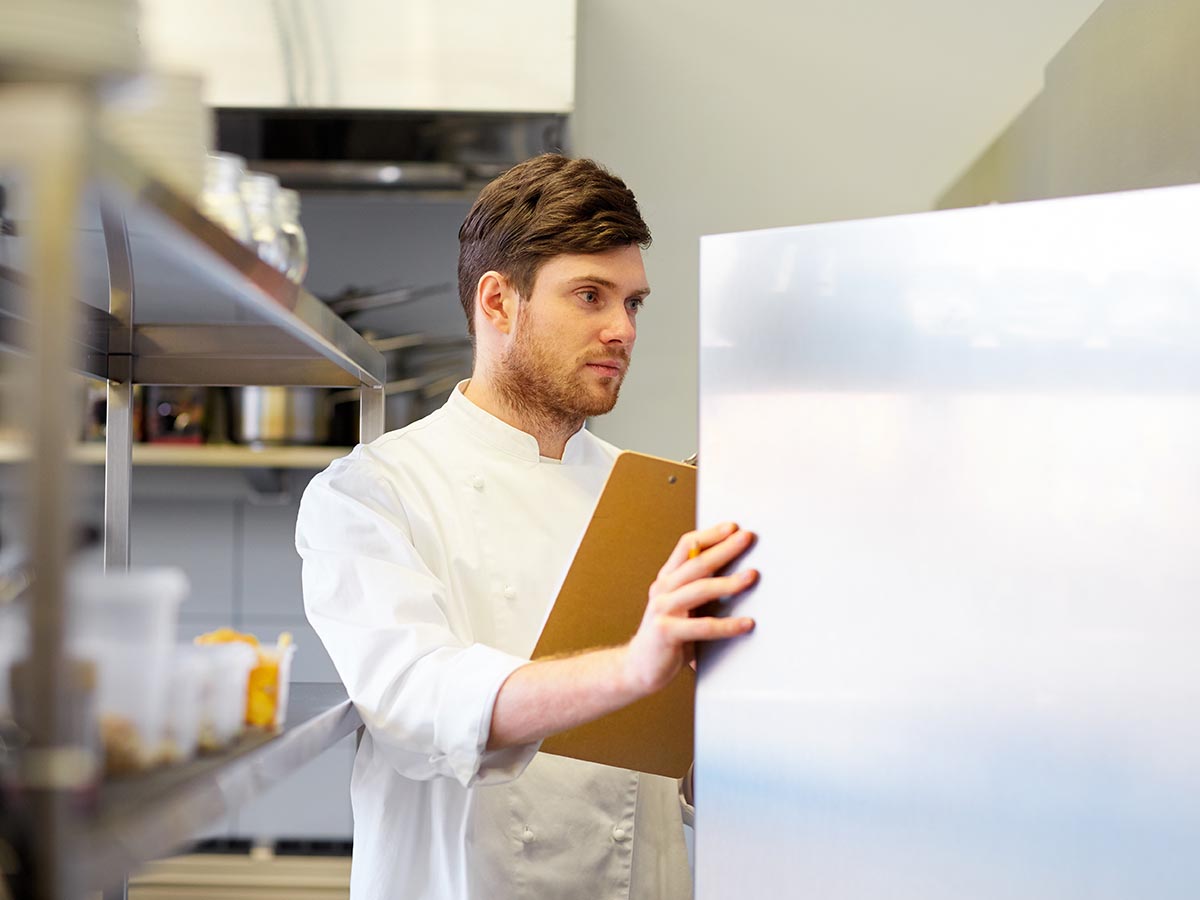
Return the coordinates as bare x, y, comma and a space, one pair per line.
383, 150
374, 94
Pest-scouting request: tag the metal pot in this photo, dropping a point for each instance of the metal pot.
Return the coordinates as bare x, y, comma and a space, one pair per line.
264, 416
422, 370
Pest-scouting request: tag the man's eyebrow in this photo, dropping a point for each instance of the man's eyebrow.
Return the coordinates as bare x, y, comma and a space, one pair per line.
604, 282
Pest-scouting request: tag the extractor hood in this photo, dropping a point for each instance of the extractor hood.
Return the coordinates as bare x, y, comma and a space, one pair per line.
385, 150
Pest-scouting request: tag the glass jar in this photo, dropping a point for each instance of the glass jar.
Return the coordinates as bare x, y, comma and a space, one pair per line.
287, 208
258, 193
221, 199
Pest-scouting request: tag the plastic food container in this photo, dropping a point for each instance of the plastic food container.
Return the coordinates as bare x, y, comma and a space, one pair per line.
266, 706
140, 606
226, 674
125, 623
185, 691
267, 691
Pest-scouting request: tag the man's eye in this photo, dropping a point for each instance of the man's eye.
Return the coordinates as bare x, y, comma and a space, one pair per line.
589, 296
633, 304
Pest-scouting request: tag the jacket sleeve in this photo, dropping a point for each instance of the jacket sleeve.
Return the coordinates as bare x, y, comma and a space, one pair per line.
425, 696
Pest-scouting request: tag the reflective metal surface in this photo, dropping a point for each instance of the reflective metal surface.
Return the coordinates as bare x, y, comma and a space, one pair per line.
118, 429
416, 176
192, 272
231, 355
371, 409
968, 441
90, 355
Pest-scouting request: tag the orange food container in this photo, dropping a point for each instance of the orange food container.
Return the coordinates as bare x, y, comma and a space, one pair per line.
267, 690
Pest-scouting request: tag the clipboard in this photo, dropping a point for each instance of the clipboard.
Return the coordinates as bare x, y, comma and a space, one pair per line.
646, 505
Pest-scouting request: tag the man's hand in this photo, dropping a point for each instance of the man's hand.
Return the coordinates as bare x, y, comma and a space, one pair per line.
664, 639
552, 695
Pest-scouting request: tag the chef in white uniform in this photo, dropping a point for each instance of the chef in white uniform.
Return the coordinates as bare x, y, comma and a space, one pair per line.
431, 557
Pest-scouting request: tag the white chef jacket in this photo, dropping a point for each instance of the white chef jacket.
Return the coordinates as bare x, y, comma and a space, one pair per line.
431, 558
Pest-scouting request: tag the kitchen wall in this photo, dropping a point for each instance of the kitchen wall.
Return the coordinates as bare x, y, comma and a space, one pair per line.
373, 239
726, 117
1100, 126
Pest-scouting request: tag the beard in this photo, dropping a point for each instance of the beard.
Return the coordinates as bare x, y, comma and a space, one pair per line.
538, 386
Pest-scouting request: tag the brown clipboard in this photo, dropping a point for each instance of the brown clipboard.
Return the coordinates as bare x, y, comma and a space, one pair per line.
646, 505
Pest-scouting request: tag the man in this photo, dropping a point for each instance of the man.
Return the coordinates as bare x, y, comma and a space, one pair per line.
432, 555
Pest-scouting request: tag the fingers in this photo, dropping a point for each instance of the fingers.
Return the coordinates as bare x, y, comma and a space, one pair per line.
697, 540
679, 630
694, 594
666, 636
730, 543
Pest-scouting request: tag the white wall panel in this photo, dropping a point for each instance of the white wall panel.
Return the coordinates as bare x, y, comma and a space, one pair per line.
197, 535
723, 117
270, 570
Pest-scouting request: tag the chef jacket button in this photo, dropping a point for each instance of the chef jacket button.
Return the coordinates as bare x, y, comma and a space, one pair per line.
510, 592
527, 835
477, 482
620, 834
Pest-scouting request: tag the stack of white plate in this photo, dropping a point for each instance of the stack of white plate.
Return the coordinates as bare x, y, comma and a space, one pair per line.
68, 38
161, 121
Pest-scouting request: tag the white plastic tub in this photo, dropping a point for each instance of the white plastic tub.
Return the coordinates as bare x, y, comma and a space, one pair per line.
139, 607
285, 680
223, 698
185, 692
125, 623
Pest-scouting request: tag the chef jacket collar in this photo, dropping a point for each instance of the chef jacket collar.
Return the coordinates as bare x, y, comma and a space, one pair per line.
505, 437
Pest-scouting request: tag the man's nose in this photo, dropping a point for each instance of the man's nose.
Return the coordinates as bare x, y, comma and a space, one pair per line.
620, 328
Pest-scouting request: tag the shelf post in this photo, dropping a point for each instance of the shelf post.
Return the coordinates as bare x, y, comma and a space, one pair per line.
44, 130
370, 413
118, 431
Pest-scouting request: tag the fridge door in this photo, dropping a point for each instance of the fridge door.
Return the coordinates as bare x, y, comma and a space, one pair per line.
970, 444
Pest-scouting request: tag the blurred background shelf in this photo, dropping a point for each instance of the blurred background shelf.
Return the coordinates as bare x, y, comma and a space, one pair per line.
216, 456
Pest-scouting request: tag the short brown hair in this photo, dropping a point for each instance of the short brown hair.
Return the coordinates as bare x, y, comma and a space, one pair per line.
545, 206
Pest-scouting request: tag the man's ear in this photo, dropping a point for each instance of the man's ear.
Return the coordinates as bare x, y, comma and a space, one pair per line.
496, 300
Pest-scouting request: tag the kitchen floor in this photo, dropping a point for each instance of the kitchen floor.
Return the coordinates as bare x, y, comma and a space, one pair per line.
259, 875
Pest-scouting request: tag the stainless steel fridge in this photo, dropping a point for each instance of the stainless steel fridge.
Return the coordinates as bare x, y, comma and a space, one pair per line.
970, 444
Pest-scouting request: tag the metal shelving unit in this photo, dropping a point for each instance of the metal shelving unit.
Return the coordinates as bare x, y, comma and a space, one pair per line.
164, 296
